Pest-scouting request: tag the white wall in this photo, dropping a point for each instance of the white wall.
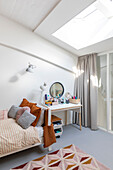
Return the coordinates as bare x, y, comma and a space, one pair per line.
17, 36
15, 82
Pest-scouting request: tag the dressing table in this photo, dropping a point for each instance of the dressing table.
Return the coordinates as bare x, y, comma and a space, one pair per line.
67, 107
57, 91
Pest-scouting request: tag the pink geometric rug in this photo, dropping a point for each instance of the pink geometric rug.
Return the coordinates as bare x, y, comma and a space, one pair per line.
67, 158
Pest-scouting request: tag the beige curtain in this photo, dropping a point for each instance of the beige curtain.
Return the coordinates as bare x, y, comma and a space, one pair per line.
86, 89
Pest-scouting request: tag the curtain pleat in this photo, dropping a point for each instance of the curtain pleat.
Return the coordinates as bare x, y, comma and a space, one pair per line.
86, 89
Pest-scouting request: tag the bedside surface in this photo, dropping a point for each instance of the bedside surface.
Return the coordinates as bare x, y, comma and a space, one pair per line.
64, 106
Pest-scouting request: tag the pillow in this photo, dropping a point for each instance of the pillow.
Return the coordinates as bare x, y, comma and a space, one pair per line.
13, 110
3, 114
25, 102
41, 119
36, 111
21, 111
26, 119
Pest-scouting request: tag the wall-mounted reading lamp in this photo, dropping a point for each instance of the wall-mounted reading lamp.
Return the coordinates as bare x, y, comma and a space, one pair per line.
43, 88
30, 68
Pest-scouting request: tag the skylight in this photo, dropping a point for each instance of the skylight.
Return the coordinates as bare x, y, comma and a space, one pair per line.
92, 25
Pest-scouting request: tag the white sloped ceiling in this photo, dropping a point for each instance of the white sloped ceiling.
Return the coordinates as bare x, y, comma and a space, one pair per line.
29, 13
44, 17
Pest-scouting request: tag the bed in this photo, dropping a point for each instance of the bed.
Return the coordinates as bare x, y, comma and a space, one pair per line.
14, 139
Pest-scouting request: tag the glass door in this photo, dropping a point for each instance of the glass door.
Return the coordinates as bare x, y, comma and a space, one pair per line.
102, 90
111, 88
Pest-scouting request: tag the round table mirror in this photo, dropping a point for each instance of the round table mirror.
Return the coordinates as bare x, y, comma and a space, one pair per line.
56, 90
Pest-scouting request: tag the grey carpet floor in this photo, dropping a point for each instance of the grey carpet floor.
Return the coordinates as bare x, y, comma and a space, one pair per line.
96, 143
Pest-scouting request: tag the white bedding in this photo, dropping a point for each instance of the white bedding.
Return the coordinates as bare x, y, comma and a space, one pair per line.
13, 137
40, 131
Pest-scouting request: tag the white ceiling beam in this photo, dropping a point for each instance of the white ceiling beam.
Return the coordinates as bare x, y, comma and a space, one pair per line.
46, 15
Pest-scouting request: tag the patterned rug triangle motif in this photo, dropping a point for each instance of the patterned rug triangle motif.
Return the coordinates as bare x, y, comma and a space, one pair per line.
54, 156
83, 158
66, 154
31, 165
53, 152
90, 167
93, 162
88, 161
21, 166
70, 157
56, 164
73, 159
93, 165
69, 163
70, 166
39, 159
67, 147
70, 148
79, 157
37, 168
52, 161
76, 168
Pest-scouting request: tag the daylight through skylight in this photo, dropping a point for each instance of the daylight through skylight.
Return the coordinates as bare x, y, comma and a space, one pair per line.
92, 25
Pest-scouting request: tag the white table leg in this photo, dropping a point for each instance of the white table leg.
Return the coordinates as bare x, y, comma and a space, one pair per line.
49, 117
50, 148
80, 120
66, 118
79, 112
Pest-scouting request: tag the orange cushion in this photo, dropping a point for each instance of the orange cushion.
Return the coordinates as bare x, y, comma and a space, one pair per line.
25, 102
36, 111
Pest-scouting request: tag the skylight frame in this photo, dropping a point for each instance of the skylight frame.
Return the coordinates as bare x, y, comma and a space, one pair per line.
101, 26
